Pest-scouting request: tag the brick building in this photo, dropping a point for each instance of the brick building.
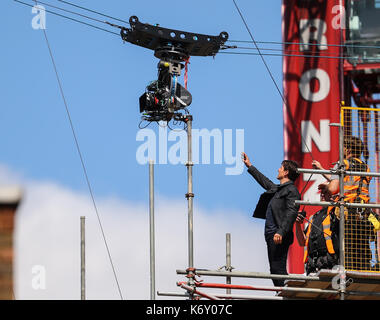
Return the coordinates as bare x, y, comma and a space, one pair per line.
10, 198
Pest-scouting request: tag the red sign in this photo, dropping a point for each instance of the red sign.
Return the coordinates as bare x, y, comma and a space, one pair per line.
311, 81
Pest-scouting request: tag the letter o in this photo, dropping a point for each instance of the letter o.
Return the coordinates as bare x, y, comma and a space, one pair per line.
324, 85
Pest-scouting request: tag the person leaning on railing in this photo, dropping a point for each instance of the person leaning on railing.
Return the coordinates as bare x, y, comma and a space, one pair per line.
320, 238
359, 222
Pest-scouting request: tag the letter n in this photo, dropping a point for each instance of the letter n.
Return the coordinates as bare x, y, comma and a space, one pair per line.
310, 133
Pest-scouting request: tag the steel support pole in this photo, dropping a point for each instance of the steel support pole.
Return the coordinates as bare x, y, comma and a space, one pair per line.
337, 204
193, 290
265, 288
342, 283
228, 260
172, 294
82, 259
151, 232
225, 296
258, 275
334, 171
377, 168
246, 297
377, 152
190, 196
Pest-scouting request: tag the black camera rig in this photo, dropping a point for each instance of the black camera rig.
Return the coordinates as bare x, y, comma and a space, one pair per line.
164, 98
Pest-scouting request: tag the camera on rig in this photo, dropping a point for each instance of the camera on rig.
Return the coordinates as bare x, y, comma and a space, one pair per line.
165, 98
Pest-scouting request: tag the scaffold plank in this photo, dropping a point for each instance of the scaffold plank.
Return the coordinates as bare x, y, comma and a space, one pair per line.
360, 286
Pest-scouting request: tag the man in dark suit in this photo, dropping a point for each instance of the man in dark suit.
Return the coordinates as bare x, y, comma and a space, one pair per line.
276, 205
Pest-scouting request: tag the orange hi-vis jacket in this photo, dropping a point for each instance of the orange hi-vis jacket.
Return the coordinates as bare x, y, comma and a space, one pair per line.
356, 188
326, 227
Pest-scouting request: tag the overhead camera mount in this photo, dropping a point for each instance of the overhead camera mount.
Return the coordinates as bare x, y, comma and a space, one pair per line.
165, 98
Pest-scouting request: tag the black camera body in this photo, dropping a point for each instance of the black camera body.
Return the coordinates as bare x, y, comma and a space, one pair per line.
165, 96
157, 99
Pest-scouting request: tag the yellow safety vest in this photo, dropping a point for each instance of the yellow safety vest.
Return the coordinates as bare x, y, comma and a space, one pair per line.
326, 226
356, 187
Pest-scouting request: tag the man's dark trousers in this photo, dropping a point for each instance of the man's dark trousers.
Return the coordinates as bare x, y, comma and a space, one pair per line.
277, 256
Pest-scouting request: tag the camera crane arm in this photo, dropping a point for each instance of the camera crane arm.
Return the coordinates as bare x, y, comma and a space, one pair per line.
164, 97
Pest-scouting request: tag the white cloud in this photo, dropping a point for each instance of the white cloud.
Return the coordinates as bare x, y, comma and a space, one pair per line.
47, 234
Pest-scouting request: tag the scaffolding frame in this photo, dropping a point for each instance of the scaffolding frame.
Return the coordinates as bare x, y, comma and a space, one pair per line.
192, 285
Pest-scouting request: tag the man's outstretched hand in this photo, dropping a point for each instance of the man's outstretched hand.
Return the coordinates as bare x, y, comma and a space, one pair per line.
246, 159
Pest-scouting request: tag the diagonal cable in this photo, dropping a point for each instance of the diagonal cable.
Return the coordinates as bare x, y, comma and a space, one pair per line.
81, 158
269, 72
276, 85
70, 18
346, 44
284, 54
93, 11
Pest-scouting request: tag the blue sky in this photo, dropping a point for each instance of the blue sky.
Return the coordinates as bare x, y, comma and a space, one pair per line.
102, 80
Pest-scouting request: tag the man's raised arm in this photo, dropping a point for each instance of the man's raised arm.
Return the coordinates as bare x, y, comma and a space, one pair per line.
262, 180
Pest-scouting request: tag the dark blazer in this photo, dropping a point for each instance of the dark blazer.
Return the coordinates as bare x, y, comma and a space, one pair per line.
283, 208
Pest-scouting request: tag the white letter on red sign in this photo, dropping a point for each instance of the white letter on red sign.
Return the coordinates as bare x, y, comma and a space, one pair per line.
324, 85
313, 29
312, 194
321, 140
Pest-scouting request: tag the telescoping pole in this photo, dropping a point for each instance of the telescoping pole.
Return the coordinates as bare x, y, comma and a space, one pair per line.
190, 196
82, 259
228, 260
151, 232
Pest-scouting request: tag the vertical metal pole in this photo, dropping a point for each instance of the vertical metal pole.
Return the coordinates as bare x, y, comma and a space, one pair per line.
377, 168
377, 152
151, 232
82, 259
190, 196
341, 51
342, 285
228, 259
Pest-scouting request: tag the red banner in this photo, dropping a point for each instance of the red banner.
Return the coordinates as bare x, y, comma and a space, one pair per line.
311, 82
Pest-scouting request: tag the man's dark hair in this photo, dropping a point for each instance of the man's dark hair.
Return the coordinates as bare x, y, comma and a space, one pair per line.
291, 166
354, 144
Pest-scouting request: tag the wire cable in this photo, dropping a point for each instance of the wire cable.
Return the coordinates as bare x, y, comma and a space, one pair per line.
314, 43
275, 49
348, 45
72, 12
277, 87
286, 53
271, 75
81, 157
301, 56
93, 11
69, 18
246, 41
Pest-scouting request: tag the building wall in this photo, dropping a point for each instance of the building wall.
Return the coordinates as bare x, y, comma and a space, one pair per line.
7, 215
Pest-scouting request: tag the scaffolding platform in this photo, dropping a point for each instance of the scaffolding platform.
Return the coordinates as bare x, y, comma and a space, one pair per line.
359, 286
